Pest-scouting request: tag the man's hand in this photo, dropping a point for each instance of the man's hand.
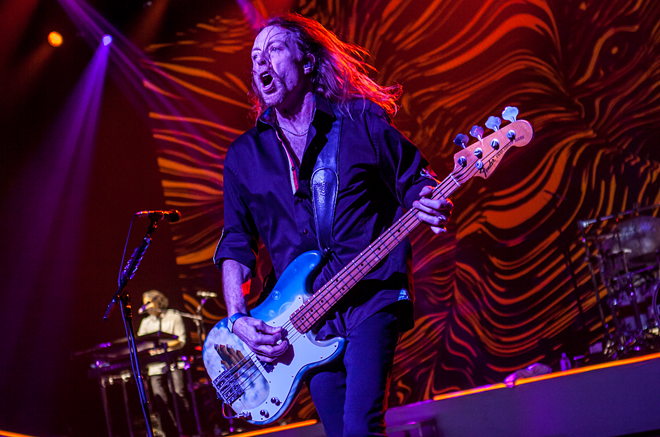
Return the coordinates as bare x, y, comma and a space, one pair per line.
434, 212
264, 340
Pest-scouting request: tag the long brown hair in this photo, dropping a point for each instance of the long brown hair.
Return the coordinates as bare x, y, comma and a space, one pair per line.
340, 73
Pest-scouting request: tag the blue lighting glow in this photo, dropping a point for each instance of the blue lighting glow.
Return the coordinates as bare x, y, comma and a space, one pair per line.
107, 39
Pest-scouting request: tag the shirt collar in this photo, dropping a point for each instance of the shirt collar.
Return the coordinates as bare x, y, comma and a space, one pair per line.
267, 118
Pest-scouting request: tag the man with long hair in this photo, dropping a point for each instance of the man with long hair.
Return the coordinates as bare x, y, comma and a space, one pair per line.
160, 319
311, 93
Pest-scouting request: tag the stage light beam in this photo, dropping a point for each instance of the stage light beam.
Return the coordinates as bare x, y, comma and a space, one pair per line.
55, 39
46, 208
107, 40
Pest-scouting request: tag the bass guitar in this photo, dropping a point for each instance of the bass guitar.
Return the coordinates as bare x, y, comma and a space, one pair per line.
260, 392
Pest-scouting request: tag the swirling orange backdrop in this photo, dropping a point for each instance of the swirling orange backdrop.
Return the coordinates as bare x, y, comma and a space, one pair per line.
495, 293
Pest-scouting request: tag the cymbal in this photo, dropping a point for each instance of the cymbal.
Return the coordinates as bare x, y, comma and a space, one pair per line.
636, 237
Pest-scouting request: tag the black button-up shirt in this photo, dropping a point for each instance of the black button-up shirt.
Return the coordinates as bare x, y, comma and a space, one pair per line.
267, 195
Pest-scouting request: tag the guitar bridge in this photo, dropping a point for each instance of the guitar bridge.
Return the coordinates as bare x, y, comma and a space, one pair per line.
227, 387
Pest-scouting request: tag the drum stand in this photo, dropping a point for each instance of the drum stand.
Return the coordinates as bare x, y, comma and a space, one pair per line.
618, 278
198, 320
627, 340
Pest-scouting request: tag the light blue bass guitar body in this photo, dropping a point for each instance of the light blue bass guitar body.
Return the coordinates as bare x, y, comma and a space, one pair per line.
258, 392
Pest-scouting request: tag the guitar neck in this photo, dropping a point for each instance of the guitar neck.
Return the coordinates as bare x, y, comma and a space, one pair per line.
480, 159
320, 303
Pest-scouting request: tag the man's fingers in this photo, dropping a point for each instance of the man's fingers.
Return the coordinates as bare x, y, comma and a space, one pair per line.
432, 210
266, 341
270, 353
439, 204
267, 329
435, 212
438, 230
425, 191
266, 334
259, 326
432, 219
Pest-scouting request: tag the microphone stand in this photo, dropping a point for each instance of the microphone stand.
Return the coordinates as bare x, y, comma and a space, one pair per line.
200, 323
121, 296
579, 341
196, 318
193, 317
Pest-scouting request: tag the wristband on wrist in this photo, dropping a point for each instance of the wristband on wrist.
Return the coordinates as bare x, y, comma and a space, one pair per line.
232, 319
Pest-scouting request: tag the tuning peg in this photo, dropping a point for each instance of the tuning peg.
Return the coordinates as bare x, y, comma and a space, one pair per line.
477, 132
461, 140
493, 123
510, 113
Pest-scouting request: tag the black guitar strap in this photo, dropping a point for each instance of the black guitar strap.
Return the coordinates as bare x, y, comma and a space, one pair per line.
325, 186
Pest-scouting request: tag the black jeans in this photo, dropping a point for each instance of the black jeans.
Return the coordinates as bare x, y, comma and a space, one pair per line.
350, 394
163, 403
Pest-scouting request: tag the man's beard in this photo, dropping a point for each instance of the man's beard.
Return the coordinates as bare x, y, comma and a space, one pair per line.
277, 96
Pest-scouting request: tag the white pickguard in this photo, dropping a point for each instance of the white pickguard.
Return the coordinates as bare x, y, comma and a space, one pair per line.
272, 387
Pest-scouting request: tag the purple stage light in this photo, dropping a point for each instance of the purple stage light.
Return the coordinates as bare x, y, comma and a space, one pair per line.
46, 207
107, 39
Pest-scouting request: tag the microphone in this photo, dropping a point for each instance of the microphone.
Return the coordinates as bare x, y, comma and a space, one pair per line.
143, 309
171, 216
583, 223
207, 294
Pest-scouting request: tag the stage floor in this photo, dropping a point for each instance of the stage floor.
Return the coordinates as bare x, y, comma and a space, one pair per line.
616, 399
613, 399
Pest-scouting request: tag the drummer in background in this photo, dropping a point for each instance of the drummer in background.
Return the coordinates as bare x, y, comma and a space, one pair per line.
170, 322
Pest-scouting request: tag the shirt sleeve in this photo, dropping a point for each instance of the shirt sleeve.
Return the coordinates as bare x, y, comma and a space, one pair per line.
400, 162
239, 240
142, 329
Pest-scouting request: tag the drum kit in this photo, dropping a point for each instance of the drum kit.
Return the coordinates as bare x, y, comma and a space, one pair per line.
626, 259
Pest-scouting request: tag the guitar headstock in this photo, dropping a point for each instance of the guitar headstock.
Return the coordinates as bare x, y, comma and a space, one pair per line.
483, 156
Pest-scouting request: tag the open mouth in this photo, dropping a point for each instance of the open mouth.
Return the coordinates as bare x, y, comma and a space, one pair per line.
266, 79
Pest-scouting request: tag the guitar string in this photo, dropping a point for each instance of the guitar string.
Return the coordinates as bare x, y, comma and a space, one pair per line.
348, 271
404, 221
443, 187
407, 219
377, 245
249, 378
